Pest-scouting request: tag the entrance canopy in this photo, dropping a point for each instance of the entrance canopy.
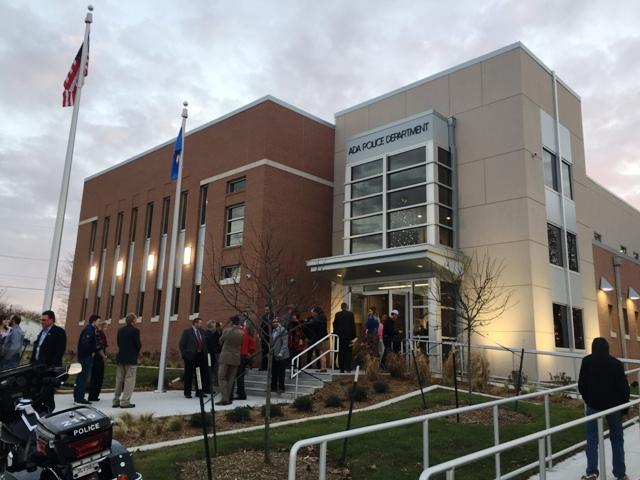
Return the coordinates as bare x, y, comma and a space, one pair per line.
391, 262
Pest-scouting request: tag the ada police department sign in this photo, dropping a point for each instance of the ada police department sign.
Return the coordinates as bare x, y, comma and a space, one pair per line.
394, 137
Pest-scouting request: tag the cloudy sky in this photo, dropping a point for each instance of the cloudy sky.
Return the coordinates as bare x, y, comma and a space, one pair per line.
322, 56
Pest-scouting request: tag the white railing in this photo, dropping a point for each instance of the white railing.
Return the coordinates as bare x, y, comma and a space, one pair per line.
450, 466
322, 440
334, 347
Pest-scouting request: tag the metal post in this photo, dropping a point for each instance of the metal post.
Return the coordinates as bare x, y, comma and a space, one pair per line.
496, 438
203, 417
322, 467
425, 444
351, 400
547, 425
519, 380
542, 468
455, 383
451, 474
602, 461
213, 408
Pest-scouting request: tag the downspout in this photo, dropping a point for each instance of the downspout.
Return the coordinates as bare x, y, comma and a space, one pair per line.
451, 123
617, 261
565, 246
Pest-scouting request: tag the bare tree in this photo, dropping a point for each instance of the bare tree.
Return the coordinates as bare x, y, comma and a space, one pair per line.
266, 274
473, 286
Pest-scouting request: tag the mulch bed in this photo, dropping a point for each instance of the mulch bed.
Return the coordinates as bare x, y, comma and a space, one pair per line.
478, 417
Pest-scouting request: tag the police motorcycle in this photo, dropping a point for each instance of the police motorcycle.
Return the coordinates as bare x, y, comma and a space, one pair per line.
72, 444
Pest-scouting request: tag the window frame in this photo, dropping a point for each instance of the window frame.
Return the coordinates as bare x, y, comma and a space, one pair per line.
229, 221
560, 253
232, 185
553, 166
230, 274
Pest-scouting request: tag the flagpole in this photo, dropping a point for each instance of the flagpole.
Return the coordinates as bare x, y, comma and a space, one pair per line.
172, 259
64, 189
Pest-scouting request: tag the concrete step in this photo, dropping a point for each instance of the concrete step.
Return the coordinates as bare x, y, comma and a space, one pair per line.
262, 386
306, 381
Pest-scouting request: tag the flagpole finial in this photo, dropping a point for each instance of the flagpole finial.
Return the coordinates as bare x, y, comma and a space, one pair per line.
185, 103
90, 8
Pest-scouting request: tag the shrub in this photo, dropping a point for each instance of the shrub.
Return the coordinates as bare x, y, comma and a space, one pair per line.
159, 426
372, 368
303, 404
479, 372
174, 425
395, 365
126, 421
380, 387
560, 378
275, 410
423, 367
358, 392
447, 370
333, 401
195, 420
239, 414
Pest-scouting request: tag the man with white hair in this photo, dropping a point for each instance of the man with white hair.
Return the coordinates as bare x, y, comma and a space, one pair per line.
12, 346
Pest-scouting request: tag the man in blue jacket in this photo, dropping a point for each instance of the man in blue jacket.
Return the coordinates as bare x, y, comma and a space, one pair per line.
87, 346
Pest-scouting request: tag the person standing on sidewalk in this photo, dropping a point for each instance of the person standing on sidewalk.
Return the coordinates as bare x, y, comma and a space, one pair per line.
194, 353
231, 341
11, 349
280, 351
127, 362
48, 350
344, 326
99, 359
87, 347
246, 351
603, 385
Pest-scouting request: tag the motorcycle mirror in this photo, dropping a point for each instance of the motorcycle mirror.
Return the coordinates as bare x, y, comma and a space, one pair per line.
74, 369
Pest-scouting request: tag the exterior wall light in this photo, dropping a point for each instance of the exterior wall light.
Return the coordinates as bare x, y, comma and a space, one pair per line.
119, 268
187, 256
151, 262
633, 294
93, 273
605, 286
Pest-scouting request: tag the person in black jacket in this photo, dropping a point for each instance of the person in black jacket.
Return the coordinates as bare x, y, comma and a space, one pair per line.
48, 350
127, 362
344, 326
212, 340
388, 335
193, 350
603, 385
87, 347
316, 330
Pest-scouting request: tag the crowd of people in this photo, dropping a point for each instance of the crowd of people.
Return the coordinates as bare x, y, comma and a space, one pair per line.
11, 341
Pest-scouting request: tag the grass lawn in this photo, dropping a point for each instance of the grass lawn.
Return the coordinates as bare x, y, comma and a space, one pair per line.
146, 377
395, 453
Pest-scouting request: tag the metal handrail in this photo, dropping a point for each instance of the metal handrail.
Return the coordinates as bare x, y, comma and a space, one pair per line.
322, 440
449, 466
334, 347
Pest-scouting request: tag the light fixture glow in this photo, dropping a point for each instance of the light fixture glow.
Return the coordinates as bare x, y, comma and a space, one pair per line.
187, 256
419, 266
378, 271
151, 262
119, 268
421, 285
93, 272
339, 275
392, 287
448, 218
605, 286
633, 294
419, 215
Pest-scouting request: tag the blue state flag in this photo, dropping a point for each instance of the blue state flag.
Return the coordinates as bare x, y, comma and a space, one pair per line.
177, 150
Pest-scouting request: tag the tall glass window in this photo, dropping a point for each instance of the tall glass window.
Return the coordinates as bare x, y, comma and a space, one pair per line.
567, 184
550, 169
235, 225
554, 237
572, 247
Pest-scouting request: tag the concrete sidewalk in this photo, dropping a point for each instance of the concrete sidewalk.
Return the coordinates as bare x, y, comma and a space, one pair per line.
574, 467
164, 404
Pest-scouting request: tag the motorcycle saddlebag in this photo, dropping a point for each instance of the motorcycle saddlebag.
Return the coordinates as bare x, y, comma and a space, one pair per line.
74, 434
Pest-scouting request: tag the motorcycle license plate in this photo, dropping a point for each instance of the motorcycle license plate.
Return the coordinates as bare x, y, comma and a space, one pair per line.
85, 472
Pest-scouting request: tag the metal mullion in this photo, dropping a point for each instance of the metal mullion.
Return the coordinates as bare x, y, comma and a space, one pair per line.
360, 235
364, 197
408, 187
358, 217
363, 179
414, 165
408, 227
416, 205
385, 162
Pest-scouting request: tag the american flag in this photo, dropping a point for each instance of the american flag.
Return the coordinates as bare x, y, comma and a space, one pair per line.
71, 82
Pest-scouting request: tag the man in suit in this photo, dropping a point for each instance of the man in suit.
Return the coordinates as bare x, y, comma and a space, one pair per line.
127, 362
344, 326
229, 359
87, 347
48, 350
11, 349
193, 350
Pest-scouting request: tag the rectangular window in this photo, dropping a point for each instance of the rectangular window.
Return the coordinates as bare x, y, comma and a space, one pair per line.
140, 304
148, 222
404, 178
445, 195
561, 327
92, 237
96, 306
366, 206
446, 236
567, 184
366, 187
105, 232
235, 225
444, 157
578, 329
366, 225
182, 221
176, 301
83, 310
157, 302
407, 217
625, 321
203, 205
133, 224
405, 159
164, 226
597, 237
555, 245
572, 247
231, 273
404, 198
444, 175
366, 170
445, 216
448, 310
610, 313
119, 222
195, 304
366, 244
410, 236
125, 305
550, 170
623, 249
237, 185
